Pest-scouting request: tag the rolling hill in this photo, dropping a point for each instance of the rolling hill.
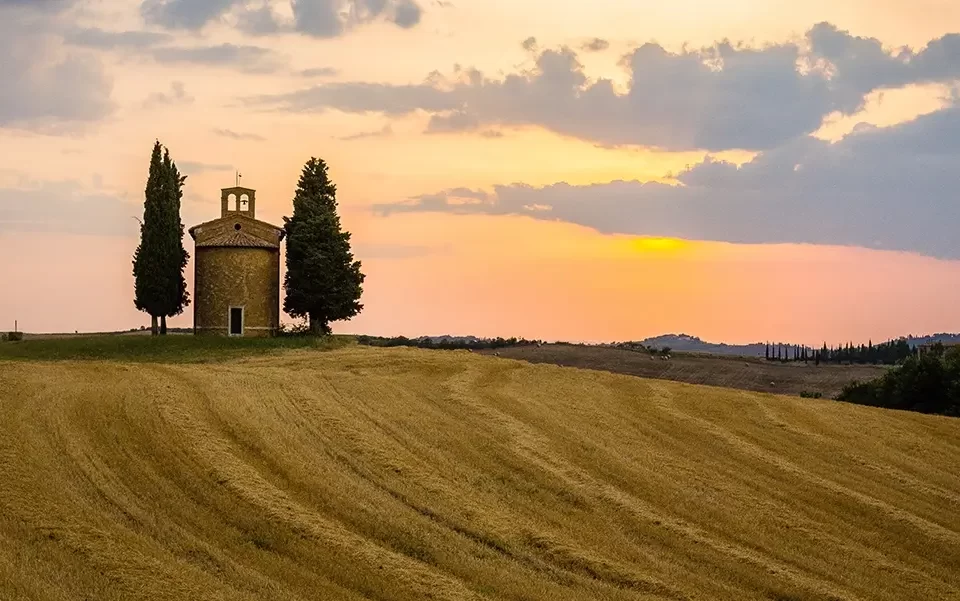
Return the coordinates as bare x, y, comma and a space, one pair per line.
693, 344
401, 474
695, 368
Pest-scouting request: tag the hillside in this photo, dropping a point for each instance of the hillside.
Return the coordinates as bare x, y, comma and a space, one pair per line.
693, 344
714, 370
402, 474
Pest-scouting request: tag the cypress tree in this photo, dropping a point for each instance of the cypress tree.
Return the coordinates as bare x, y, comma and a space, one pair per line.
323, 281
176, 296
160, 288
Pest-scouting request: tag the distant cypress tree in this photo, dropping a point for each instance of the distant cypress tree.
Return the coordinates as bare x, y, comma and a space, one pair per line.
766, 353
160, 288
323, 281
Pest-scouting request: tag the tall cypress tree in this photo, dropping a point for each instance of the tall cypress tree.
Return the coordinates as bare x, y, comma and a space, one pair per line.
323, 281
147, 257
160, 288
175, 297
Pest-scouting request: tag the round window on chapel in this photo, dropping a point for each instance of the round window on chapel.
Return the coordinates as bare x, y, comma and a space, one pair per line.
237, 227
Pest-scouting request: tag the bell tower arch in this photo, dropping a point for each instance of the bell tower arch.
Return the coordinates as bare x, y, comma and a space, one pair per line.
238, 200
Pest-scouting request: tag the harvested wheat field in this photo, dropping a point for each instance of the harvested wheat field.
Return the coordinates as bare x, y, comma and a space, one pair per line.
395, 474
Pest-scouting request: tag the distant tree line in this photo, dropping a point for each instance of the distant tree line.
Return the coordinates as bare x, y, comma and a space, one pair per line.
445, 343
891, 352
927, 383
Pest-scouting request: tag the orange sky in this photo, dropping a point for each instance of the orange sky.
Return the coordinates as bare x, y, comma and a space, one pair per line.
437, 273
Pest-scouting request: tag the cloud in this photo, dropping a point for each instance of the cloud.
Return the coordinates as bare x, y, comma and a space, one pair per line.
331, 18
892, 188
721, 97
184, 14
595, 45
361, 97
384, 132
66, 207
191, 167
261, 21
319, 72
93, 37
47, 6
227, 133
45, 87
177, 95
156, 46
316, 18
407, 14
247, 58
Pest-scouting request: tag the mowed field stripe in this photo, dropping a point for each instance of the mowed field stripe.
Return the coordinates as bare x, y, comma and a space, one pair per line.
407, 474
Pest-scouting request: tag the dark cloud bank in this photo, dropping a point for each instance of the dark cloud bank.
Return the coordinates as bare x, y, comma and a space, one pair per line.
721, 97
894, 188
317, 18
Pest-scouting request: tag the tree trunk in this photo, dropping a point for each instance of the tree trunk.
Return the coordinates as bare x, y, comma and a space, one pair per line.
316, 326
163, 325
153, 325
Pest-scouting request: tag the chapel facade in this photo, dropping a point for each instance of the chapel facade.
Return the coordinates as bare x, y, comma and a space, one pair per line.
236, 270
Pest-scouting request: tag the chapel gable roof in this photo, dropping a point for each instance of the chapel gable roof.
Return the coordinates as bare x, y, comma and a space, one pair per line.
237, 230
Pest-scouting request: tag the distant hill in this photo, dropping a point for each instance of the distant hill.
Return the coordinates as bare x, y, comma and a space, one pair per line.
693, 344
934, 338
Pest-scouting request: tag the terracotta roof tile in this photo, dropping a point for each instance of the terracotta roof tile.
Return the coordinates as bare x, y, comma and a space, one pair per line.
237, 238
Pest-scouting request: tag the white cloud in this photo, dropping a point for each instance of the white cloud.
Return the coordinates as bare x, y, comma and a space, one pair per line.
44, 86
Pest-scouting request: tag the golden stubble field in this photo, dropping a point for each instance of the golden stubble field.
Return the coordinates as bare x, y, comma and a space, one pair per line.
391, 474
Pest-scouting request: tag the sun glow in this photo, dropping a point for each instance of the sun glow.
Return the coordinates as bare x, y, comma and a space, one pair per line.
649, 244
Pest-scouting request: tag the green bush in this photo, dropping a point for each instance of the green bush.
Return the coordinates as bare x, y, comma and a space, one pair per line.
425, 342
929, 383
14, 336
810, 395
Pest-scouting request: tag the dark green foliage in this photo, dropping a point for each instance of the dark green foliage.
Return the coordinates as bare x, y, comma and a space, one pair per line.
633, 346
323, 281
810, 395
444, 344
928, 383
12, 337
160, 288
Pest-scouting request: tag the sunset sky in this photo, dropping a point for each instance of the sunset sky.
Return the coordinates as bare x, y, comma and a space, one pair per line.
739, 170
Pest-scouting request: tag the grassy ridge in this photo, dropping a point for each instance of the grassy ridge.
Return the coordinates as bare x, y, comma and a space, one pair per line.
175, 348
400, 474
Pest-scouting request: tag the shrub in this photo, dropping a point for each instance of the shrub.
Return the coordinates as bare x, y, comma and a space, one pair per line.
928, 384
295, 329
810, 395
14, 336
